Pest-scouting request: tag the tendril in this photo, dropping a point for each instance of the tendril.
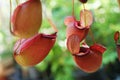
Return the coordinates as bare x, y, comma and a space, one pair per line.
17, 2
52, 24
50, 21
10, 27
10, 17
73, 8
92, 36
84, 14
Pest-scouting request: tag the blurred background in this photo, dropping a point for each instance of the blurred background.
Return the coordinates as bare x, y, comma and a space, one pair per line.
59, 64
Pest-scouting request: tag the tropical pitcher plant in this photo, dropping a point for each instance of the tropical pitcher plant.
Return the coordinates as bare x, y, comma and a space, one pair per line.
116, 38
32, 47
87, 58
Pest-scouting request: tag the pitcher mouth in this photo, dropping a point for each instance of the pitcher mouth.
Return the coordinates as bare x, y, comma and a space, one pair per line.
78, 25
118, 44
49, 36
83, 51
98, 48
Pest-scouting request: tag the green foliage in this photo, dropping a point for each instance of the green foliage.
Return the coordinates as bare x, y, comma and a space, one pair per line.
106, 22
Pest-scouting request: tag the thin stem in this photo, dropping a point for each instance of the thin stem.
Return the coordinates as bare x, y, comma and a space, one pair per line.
92, 36
118, 3
72, 7
84, 6
10, 27
50, 21
10, 12
17, 2
84, 14
10, 15
52, 24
